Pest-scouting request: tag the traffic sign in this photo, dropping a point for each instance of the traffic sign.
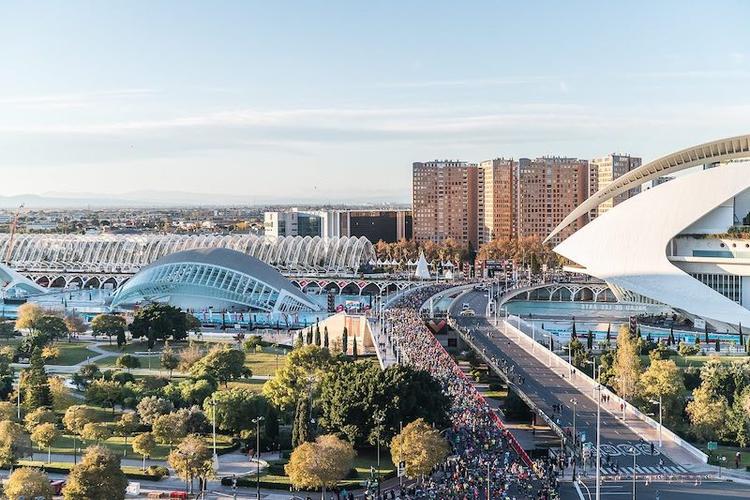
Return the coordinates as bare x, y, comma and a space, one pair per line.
712, 445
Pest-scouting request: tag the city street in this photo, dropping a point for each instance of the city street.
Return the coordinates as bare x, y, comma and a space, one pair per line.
658, 490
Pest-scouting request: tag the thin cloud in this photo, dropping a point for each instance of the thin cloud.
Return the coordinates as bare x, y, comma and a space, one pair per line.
77, 99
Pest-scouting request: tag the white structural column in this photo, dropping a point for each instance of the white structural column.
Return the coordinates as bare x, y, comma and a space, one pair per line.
627, 246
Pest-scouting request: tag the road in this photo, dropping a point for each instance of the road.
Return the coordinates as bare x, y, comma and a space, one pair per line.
658, 490
546, 389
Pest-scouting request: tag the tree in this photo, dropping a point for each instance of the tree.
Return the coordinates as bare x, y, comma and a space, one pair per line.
26, 482
169, 360
98, 475
189, 356
14, 443
355, 354
303, 369
627, 366
235, 409
86, 374
144, 444
27, 316
159, 321
128, 362
309, 339
76, 417
192, 324
170, 429
45, 435
50, 353
222, 364
662, 379
8, 411
325, 337
192, 459
345, 341
126, 425
6, 375
301, 429
353, 395
95, 432
110, 325
317, 334
75, 323
251, 344
320, 464
152, 407
196, 391
35, 384
38, 417
707, 413
53, 327
106, 393
421, 448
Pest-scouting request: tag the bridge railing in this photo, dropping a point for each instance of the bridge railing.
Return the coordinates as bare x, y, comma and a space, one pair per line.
591, 393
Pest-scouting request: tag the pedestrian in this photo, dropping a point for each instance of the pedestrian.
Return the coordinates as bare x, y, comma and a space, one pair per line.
652, 448
737, 460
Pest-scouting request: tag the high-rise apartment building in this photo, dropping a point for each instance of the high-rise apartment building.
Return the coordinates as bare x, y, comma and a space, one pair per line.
548, 190
605, 170
444, 201
496, 200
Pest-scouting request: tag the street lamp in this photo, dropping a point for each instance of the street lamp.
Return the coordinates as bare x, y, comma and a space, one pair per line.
632, 450
653, 401
598, 390
213, 412
379, 421
574, 402
257, 421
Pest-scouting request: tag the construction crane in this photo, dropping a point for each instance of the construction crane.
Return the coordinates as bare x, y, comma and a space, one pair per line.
14, 224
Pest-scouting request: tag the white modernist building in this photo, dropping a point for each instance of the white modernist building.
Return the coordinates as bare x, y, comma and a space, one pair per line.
683, 243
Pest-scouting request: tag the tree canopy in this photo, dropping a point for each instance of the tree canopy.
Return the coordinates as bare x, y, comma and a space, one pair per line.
303, 369
222, 364
320, 464
192, 459
421, 448
235, 409
98, 475
26, 482
159, 322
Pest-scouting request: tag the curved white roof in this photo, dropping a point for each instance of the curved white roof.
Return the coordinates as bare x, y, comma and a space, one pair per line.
627, 246
710, 152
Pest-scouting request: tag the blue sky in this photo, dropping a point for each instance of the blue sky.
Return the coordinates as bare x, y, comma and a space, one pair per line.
329, 100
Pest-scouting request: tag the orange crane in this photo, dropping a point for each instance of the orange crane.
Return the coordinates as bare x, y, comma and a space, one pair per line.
13, 226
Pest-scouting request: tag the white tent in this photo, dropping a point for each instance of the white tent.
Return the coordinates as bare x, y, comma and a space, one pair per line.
423, 270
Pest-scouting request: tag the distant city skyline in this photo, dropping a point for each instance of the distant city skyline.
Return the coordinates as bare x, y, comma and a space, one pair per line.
320, 102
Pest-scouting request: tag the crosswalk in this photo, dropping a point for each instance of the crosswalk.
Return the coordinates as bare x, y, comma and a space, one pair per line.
644, 470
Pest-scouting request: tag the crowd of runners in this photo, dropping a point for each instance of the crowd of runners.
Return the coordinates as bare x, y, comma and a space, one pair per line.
484, 455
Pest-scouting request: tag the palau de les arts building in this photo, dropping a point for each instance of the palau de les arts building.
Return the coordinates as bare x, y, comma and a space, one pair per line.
683, 243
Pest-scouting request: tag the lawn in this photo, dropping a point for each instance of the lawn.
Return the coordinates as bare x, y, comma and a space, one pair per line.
71, 353
727, 451
695, 361
254, 385
265, 362
132, 347
64, 445
110, 361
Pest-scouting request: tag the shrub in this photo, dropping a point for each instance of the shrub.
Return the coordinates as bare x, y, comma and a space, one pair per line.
157, 471
688, 349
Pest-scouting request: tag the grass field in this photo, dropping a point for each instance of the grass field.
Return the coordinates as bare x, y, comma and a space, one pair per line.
71, 353
130, 348
265, 362
728, 452
252, 384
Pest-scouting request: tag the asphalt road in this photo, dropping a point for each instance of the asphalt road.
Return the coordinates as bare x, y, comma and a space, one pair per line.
546, 389
623, 490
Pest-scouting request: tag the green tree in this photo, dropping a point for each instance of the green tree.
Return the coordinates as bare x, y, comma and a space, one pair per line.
662, 379
127, 425
106, 393
45, 435
707, 413
76, 417
128, 362
222, 364
111, 325
303, 369
6, 374
325, 337
320, 464
301, 430
159, 321
355, 354
317, 335
98, 475
83, 377
627, 367
53, 327
144, 444
169, 360
152, 407
194, 392
345, 341
235, 409
94, 431
192, 459
75, 323
35, 383
26, 482
420, 447
192, 324
170, 429
14, 443
38, 417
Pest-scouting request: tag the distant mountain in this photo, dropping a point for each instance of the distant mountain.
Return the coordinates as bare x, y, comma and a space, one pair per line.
155, 198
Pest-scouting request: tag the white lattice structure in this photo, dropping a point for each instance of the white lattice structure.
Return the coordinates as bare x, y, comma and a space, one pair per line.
127, 254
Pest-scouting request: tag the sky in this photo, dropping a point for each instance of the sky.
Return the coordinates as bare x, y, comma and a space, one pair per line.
333, 100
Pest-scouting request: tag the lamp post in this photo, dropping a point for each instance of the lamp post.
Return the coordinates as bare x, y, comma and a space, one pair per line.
659, 402
574, 402
379, 421
257, 421
632, 450
213, 424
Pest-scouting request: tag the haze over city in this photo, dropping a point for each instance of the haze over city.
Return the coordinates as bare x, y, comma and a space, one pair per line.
218, 98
